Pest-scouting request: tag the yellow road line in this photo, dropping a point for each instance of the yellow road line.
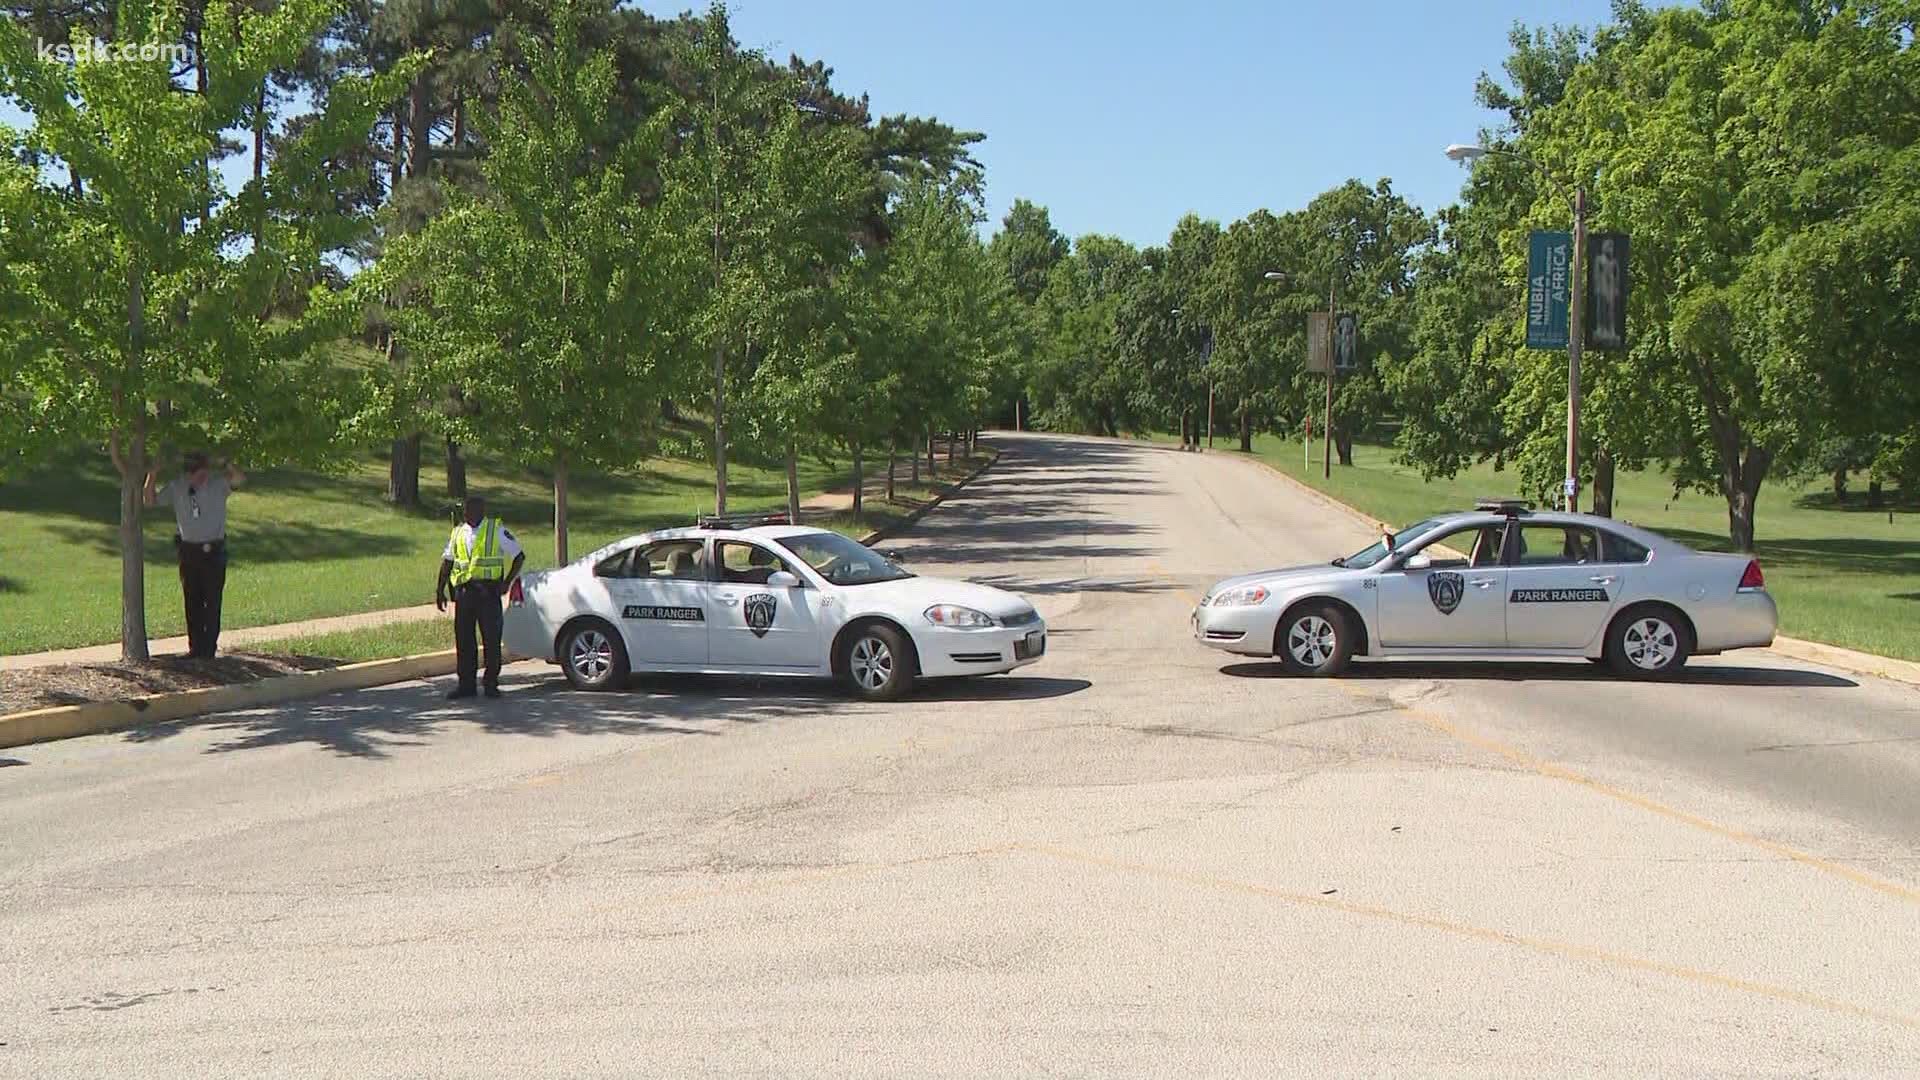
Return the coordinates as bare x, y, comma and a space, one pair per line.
1570, 950
1546, 768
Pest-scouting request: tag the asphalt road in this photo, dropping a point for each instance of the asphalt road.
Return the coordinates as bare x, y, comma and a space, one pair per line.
1138, 857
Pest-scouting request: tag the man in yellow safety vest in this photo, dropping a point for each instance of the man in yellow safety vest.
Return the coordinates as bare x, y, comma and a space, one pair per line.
475, 563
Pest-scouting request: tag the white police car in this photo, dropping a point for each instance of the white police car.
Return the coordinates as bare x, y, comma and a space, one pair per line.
761, 597
1500, 580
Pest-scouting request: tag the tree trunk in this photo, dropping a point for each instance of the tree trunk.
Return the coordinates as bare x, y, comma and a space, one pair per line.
1840, 485
133, 475
1343, 442
859, 480
1185, 438
397, 163
933, 467
893, 455
1246, 431
1740, 481
793, 484
719, 426
950, 439
1603, 483
419, 124
1875, 496
914, 453
456, 470
403, 471
560, 509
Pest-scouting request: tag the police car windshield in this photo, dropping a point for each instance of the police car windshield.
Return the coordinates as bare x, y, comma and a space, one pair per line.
1363, 559
842, 561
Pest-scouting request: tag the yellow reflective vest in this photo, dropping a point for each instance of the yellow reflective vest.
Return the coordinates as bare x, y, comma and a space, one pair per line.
477, 555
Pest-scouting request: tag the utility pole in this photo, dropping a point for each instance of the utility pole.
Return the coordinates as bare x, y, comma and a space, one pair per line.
1576, 336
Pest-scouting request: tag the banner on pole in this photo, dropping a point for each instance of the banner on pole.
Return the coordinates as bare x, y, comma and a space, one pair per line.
1607, 290
1346, 341
1319, 343
1549, 288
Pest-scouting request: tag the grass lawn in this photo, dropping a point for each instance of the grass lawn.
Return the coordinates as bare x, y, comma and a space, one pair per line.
305, 545
1846, 576
368, 643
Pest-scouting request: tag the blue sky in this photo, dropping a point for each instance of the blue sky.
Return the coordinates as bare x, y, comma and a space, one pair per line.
1119, 117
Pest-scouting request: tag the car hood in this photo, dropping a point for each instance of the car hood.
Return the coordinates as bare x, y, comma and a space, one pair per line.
910, 596
1285, 575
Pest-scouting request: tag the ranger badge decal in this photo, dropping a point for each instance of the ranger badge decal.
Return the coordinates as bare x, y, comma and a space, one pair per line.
759, 609
1445, 589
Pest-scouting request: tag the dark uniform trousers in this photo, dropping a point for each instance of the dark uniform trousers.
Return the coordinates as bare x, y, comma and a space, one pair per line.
203, 579
476, 604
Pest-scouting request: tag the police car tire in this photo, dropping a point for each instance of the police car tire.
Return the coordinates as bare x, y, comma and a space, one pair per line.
1677, 640
1336, 657
615, 673
857, 654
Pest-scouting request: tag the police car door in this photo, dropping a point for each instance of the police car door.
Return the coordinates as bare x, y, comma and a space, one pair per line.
1559, 592
1451, 603
662, 603
758, 626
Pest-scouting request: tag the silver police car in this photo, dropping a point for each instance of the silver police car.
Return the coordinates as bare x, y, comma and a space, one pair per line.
1500, 580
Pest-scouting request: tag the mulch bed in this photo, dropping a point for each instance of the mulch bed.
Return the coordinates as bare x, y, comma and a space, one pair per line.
76, 684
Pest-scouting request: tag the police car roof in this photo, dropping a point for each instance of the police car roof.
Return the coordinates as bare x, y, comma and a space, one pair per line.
1557, 517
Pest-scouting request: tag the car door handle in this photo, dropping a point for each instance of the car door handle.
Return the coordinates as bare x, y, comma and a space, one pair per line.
1603, 579
1483, 583
728, 598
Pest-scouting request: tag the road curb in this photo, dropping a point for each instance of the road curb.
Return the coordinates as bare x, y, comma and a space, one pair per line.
98, 717
1814, 652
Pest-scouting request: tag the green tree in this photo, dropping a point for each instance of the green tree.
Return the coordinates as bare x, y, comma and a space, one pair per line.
550, 295
115, 305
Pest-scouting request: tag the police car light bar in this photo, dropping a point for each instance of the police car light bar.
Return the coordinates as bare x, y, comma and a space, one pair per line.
1509, 507
746, 521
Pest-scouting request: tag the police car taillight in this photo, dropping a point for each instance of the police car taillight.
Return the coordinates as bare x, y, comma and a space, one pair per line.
1752, 579
516, 594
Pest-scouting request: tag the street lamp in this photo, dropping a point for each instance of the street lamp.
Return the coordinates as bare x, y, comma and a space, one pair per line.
1196, 439
1326, 459
1576, 305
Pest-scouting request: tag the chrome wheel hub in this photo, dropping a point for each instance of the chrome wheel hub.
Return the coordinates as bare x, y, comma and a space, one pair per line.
1311, 640
871, 663
1650, 644
591, 657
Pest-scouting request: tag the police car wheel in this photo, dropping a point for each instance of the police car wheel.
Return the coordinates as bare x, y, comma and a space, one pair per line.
1648, 642
1314, 640
877, 663
594, 657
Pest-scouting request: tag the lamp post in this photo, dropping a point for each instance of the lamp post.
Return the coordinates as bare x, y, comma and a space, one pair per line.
1203, 363
1326, 459
1576, 304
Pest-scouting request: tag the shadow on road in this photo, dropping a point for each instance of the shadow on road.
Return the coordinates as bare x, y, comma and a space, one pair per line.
1551, 671
372, 723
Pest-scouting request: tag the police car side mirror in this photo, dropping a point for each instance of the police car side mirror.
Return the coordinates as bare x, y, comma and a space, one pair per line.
1421, 561
892, 555
781, 579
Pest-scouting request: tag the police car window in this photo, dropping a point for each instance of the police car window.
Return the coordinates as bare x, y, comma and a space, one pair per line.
1556, 545
683, 560
842, 561
614, 565
1457, 543
1615, 548
748, 564
1360, 560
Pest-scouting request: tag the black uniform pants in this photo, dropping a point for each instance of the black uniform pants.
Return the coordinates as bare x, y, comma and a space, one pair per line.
476, 605
203, 579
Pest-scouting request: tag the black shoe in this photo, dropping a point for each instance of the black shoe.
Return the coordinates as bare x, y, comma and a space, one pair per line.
493, 691
460, 692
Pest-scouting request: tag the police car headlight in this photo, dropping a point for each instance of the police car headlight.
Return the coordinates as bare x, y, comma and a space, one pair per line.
1244, 596
955, 617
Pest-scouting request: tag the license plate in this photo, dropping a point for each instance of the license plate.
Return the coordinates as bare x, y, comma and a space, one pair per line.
1034, 644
